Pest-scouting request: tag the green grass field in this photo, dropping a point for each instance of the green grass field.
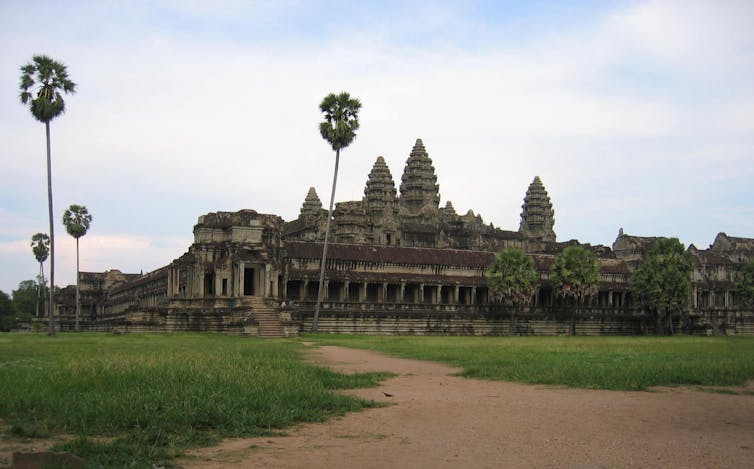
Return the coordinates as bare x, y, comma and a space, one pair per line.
138, 400
156, 395
625, 363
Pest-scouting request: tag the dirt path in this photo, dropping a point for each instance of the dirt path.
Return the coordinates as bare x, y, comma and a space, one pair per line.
440, 421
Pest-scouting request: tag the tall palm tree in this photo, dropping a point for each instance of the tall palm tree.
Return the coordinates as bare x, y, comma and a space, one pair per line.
77, 220
339, 129
40, 245
42, 81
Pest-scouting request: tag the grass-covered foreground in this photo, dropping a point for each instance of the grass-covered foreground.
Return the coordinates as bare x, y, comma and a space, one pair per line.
135, 400
627, 363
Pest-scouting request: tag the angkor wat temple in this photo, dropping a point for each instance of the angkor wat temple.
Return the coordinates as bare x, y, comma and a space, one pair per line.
399, 263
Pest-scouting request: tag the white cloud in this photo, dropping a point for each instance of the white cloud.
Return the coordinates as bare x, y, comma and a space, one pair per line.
643, 111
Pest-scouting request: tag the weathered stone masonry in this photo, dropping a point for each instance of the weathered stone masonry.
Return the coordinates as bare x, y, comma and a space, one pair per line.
399, 264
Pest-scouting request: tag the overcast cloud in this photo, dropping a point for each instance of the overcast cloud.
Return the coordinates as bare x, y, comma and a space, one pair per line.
635, 114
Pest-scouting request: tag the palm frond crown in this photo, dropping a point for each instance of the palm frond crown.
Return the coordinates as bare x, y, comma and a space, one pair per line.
40, 245
76, 220
341, 113
47, 79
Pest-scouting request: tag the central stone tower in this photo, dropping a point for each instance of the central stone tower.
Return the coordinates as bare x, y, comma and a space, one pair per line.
537, 216
419, 203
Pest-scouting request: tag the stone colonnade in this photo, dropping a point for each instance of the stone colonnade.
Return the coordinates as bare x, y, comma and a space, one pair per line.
417, 292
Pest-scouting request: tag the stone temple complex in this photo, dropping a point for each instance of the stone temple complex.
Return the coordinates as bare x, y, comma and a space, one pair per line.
399, 263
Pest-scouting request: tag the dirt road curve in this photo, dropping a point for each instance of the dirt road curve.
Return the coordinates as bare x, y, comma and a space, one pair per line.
438, 420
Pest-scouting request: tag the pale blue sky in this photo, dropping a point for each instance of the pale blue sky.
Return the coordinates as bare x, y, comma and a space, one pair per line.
635, 114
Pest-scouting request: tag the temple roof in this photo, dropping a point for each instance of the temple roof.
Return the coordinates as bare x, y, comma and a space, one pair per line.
239, 218
391, 254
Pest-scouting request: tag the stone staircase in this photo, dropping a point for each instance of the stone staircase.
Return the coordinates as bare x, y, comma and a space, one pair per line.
267, 317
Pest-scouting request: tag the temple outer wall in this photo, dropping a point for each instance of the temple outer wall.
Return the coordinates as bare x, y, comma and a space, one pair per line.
361, 319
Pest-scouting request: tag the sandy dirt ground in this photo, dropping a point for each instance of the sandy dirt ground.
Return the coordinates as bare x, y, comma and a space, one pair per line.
436, 420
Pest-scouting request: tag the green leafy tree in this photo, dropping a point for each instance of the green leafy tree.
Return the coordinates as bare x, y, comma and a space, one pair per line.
42, 82
7, 313
341, 113
662, 283
575, 275
40, 246
745, 284
77, 220
25, 298
512, 279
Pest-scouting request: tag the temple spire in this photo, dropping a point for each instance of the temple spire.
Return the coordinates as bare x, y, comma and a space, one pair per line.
419, 188
537, 215
312, 205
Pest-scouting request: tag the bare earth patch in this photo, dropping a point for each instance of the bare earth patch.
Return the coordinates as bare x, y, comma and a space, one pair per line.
438, 420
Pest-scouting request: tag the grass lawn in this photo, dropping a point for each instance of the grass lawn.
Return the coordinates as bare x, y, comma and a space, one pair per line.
625, 363
152, 396
138, 400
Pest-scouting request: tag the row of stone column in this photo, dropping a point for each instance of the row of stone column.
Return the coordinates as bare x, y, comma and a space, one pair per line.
709, 298
384, 292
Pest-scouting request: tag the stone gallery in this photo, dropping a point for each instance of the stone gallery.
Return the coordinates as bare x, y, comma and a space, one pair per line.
398, 263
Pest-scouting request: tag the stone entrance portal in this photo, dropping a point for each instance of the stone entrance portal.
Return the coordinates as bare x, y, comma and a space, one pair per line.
248, 281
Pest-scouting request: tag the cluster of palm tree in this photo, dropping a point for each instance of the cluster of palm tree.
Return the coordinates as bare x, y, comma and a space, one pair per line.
512, 279
662, 283
43, 83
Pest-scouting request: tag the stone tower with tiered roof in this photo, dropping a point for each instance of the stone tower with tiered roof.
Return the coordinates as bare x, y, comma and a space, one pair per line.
419, 202
537, 215
420, 193
312, 205
381, 204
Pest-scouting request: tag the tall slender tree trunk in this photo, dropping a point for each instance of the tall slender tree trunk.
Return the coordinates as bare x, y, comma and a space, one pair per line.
574, 309
324, 248
78, 302
512, 329
51, 307
39, 286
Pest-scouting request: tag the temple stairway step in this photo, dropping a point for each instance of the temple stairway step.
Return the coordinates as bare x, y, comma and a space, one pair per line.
267, 318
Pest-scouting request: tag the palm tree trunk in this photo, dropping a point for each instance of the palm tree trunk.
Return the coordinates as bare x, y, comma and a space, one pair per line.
324, 248
513, 319
573, 319
573, 306
39, 287
78, 302
51, 307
